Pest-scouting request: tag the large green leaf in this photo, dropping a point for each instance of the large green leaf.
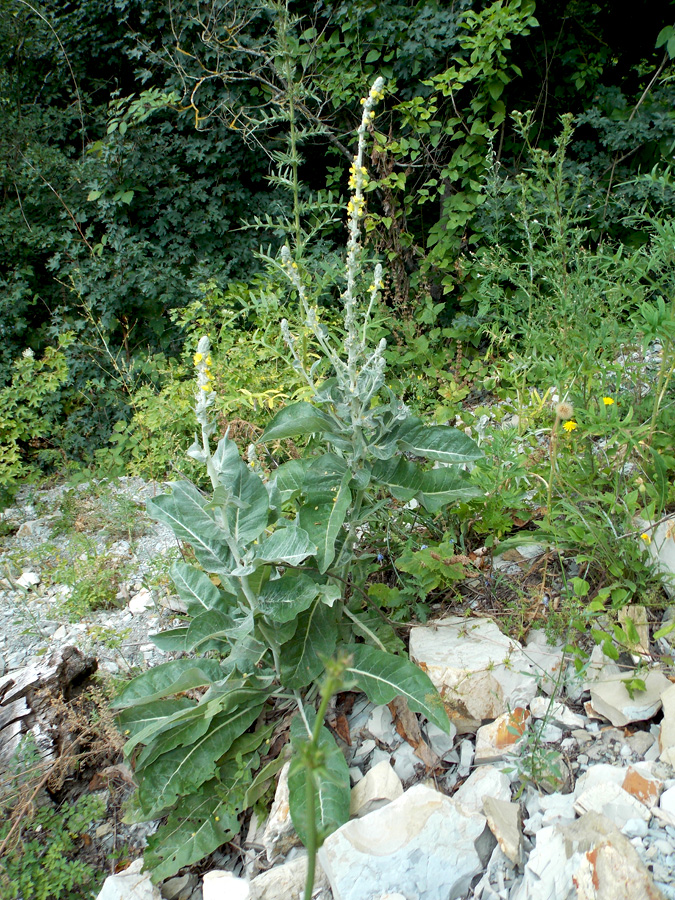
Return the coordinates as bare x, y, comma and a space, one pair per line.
383, 676
295, 420
195, 588
226, 460
286, 545
331, 806
323, 521
183, 511
169, 678
197, 826
314, 641
437, 442
283, 599
402, 478
323, 477
171, 640
446, 485
248, 515
184, 769
135, 719
289, 478
212, 625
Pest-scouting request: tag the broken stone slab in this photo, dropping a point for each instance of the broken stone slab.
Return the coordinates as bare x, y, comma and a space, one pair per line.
441, 743
667, 802
28, 580
287, 881
131, 884
499, 738
546, 659
180, 887
586, 860
611, 699
380, 726
141, 601
380, 786
601, 773
613, 802
641, 784
661, 550
479, 672
667, 732
638, 616
422, 845
219, 884
279, 835
504, 820
555, 711
486, 781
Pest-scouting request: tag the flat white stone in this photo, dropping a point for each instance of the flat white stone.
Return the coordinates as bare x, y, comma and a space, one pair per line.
611, 699
555, 711
422, 845
279, 834
380, 725
546, 659
661, 550
479, 672
667, 801
602, 773
667, 732
612, 802
129, 885
381, 785
485, 781
286, 882
28, 580
141, 601
504, 822
440, 742
219, 884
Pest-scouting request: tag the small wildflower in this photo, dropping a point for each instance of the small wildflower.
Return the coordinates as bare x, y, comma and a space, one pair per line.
565, 410
28, 353
217, 818
294, 265
646, 538
570, 426
207, 361
608, 401
197, 358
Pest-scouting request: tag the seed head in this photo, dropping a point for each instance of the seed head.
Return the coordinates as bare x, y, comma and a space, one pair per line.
564, 410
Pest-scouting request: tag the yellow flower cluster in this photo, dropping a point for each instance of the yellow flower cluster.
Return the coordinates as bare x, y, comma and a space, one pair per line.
376, 95
570, 425
608, 401
352, 175
199, 358
356, 204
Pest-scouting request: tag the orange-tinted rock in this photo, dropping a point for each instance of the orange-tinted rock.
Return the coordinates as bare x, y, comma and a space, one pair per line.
644, 788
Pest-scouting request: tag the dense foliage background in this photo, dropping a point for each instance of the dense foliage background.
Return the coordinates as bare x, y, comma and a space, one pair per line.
145, 160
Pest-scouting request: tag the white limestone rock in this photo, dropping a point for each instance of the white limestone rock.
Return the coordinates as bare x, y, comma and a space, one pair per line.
546, 659
667, 732
279, 834
555, 711
485, 781
380, 786
587, 860
287, 882
28, 580
661, 550
218, 884
141, 601
422, 845
610, 698
612, 802
504, 820
479, 672
131, 884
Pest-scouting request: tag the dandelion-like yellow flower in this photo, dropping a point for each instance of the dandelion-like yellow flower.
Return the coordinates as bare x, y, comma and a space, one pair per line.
197, 358
646, 538
608, 401
570, 425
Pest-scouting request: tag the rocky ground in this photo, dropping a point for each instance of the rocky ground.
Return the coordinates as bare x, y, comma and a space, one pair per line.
553, 783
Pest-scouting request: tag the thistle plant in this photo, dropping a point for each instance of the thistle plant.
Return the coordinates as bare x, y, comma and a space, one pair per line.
272, 600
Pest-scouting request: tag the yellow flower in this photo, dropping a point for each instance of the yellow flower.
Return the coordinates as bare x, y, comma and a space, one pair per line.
646, 538
197, 358
208, 360
206, 387
608, 401
570, 426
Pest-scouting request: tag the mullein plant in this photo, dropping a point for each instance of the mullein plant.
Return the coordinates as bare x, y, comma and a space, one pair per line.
275, 617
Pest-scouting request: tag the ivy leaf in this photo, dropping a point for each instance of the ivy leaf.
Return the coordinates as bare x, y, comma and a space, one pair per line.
331, 806
383, 676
